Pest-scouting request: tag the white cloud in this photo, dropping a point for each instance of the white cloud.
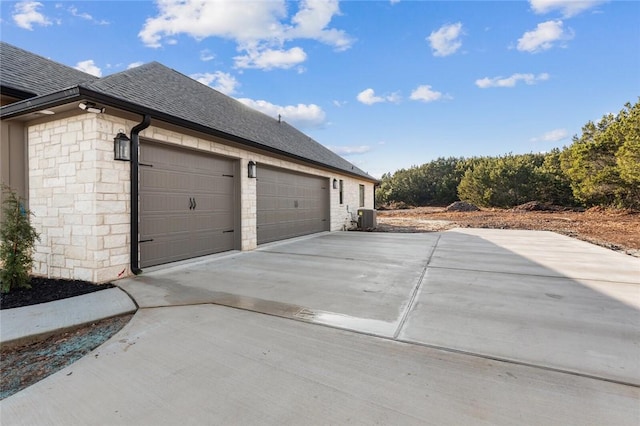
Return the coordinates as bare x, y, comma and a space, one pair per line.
134, 64
83, 15
206, 55
260, 29
446, 40
312, 20
269, 59
543, 37
350, 150
568, 8
26, 14
89, 67
369, 97
552, 136
300, 116
424, 93
511, 81
220, 81
200, 19
339, 104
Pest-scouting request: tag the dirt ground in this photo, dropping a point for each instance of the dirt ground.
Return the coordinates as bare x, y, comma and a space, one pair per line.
613, 229
23, 365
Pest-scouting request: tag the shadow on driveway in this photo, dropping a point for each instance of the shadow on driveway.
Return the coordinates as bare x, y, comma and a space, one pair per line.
537, 298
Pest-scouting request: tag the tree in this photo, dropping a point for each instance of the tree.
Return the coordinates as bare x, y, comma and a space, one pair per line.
433, 183
504, 181
555, 185
602, 163
17, 238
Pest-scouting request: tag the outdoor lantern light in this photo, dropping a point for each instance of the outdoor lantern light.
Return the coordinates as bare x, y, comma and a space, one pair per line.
252, 170
335, 184
122, 147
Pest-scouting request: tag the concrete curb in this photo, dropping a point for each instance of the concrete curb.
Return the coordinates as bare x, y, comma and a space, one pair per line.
32, 321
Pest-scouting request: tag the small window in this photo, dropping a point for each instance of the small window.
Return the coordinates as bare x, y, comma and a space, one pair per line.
341, 191
361, 195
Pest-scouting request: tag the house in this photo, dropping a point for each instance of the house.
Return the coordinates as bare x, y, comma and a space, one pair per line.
207, 174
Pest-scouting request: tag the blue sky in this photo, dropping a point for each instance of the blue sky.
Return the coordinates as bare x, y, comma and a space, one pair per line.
386, 84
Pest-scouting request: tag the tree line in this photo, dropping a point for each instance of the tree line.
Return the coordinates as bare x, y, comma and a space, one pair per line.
601, 167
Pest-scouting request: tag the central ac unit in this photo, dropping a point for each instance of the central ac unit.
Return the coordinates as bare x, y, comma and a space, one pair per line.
367, 219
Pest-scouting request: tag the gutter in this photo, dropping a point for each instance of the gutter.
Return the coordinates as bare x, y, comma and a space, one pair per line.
38, 103
80, 92
135, 144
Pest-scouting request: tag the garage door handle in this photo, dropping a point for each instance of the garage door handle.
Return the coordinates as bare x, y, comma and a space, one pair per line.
192, 203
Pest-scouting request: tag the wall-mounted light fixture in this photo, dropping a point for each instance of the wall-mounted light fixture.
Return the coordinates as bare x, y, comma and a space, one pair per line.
252, 170
335, 184
122, 147
91, 107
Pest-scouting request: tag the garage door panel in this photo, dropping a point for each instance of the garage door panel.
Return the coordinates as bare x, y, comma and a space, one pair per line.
187, 204
163, 226
290, 204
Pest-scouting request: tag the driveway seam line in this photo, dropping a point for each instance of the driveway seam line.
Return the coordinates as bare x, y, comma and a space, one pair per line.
315, 255
522, 363
533, 275
416, 289
415, 343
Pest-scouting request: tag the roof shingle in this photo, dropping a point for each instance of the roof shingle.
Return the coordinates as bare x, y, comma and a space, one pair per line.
31, 73
155, 87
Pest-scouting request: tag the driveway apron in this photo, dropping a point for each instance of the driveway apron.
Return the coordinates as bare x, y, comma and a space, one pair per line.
461, 327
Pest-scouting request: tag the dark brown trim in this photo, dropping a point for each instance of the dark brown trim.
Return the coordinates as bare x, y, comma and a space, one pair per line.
79, 93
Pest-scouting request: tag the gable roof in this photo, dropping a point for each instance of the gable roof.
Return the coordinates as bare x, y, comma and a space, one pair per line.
166, 95
28, 75
171, 93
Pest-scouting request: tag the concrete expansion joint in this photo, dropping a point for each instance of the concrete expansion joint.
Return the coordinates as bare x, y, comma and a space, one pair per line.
521, 363
416, 290
130, 297
315, 255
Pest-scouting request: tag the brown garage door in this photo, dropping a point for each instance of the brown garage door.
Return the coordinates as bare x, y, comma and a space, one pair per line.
187, 202
290, 204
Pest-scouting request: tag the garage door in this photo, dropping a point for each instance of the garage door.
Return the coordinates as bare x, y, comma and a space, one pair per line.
187, 202
290, 204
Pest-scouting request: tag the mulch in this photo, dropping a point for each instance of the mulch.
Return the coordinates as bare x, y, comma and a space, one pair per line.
47, 290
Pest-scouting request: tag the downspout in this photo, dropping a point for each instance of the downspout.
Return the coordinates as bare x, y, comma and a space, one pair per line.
135, 144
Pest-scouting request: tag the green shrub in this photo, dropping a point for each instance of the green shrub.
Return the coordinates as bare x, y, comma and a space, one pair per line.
17, 238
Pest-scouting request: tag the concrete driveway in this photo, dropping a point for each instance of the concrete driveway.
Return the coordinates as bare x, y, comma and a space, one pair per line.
460, 327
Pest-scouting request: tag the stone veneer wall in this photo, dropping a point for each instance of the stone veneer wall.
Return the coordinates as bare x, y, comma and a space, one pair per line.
80, 199
344, 216
80, 194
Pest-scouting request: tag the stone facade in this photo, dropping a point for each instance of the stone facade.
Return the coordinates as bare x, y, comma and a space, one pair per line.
80, 199
80, 195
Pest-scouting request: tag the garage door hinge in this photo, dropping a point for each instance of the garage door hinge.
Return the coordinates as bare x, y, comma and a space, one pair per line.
145, 164
224, 232
146, 241
227, 175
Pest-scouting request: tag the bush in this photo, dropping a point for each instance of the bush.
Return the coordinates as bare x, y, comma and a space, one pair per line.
17, 238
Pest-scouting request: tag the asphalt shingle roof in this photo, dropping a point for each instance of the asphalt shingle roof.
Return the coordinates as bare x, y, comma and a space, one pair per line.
31, 73
155, 87
158, 87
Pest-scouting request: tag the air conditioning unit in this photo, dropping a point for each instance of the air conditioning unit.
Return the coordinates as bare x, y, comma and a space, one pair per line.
367, 219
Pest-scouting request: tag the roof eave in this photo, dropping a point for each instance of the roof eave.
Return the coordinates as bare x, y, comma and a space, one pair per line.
79, 93
39, 103
168, 118
15, 92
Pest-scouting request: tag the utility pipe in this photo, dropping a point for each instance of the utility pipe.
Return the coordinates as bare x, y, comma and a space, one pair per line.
135, 144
